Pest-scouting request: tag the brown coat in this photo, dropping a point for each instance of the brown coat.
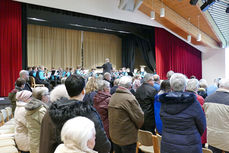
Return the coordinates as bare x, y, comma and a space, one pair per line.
125, 117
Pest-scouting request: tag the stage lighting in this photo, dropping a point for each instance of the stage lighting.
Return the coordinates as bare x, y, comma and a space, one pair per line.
193, 2
207, 4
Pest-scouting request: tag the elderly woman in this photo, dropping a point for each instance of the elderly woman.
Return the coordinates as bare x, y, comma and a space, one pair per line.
182, 118
78, 135
36, 110
21, 130
192, 86
91, 90
202, 91
101, 101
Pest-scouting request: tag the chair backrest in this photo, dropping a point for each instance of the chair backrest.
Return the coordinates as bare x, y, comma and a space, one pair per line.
32, 81
159, 140
4, 113
205, 150
145, 138
1, 119
9, 111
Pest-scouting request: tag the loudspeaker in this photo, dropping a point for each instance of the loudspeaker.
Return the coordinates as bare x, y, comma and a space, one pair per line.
193, 2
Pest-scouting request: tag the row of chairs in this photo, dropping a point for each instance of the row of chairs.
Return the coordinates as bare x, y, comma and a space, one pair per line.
7, 128
149, 143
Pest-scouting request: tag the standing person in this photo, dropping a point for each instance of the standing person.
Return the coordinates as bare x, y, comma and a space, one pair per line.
25, 75
91, 90
125, 118
65, 109
35, 111
182, 118
21, 129
107, 67
145, 95
216, 109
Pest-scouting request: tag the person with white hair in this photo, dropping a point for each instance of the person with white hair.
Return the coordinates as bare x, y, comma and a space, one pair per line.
107, 66
193, 86
48, 129
145, 95
107, 77
182, 118
125, 117
25, 75
21, 129
216, 109
78, 136
114, 88
169, 74
35, 111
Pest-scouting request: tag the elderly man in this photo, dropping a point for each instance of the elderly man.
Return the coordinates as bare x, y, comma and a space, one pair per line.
145, 95
216, 109
107, 77
25, 75
107, 67
156, 82
125, 118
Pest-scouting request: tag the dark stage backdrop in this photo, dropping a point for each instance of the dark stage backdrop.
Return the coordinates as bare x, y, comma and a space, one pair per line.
10, 44
174, 54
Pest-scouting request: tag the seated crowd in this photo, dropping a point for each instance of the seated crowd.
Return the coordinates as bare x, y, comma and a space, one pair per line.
85, 112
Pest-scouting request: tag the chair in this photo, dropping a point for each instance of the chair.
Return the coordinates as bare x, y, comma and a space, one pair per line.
159, 140
1, 119
33, 83
205, 150
9, 112
147, 142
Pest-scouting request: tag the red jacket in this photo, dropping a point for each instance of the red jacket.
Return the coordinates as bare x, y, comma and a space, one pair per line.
204, 136
101, 101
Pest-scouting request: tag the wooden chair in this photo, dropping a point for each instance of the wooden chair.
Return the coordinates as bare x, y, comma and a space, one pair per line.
147, 142
4, 114
9, 112
159, 140
205, 150
33, 83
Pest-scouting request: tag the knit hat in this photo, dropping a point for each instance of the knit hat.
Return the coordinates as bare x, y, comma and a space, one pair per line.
23, 95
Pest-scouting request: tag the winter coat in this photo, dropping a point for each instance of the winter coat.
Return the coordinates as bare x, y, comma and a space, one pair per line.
63, 149
183, 123
145, 95
35, 111
21, 130
216, 108
63, 110
89, 97
125, 117
113, 90
12, 97
157, 108
101, 101
202, 92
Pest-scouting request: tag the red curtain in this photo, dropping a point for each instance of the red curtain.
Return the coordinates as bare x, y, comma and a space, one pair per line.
174, 54
10, 45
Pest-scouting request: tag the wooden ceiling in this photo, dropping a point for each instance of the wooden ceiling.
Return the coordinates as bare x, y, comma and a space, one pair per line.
182, 10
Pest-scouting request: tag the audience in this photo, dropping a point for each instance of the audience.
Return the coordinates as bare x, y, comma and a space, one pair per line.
41, 78
64, 109
78, 136
182, 118
125, 118
91, 90
107, 77
25, 75
145, 95
216, 108
165, 88
156, 82
202, 91
35, 111
114, 88
21, 129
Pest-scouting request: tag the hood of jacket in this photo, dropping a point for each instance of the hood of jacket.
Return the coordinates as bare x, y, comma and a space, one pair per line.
101, 96
34, 104
176, 102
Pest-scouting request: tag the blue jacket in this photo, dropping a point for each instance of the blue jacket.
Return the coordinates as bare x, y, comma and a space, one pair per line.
157, 107
89, 97
183, 123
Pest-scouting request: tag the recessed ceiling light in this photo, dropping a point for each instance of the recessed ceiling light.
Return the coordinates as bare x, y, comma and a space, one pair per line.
36, 19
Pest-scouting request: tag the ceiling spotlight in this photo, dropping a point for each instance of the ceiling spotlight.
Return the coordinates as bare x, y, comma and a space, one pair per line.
162, 12
152, 15
198, 37
207, 4
189, 38
193, 2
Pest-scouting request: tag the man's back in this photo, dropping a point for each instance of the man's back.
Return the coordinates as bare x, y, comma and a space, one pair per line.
107, 67
125, 117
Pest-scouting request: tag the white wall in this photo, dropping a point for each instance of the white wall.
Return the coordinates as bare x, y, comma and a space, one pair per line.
213, 64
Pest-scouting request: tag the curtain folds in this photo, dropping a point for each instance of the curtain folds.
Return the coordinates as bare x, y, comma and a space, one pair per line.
10, 45
174, 54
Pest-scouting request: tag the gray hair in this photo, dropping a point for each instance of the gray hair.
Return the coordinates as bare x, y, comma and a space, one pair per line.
169, 74
102, 84
148, 77
203, 83
116, 82
39, 92
178, 82
192, 85
58, 92
125, 81
156, 77
23, 72
106, 74
78, 131
224, 83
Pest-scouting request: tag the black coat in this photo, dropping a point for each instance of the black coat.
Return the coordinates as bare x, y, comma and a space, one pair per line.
183, 123
107, 67
27, 87
63, 110
145, 95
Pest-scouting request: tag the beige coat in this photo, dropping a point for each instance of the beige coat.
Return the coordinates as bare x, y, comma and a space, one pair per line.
73, 149
125, 117
21, 130
36, 110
